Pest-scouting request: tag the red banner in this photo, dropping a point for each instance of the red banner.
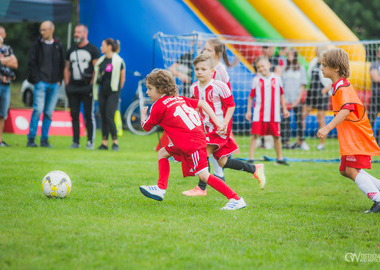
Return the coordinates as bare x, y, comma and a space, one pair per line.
18, 123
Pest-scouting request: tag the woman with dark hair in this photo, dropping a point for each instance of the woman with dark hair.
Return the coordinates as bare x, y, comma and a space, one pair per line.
108, 81
294, 81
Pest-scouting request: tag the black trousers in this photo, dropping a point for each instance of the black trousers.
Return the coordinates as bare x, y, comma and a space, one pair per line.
285, 125
108, 103
75, 101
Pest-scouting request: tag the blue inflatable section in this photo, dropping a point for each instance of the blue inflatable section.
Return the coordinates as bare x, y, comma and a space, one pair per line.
134, 23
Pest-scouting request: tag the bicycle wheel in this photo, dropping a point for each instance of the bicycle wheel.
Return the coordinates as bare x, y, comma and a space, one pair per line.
133, 119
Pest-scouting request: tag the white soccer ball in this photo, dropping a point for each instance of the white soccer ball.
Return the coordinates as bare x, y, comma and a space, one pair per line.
56, 184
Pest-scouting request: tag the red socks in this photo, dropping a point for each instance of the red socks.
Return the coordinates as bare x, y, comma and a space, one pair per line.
163, 173
222, 187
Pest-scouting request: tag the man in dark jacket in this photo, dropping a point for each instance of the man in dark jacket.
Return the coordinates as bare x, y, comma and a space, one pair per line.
46, 63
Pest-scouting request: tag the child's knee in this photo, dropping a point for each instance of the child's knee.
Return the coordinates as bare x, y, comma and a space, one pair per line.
162, 153
203, 176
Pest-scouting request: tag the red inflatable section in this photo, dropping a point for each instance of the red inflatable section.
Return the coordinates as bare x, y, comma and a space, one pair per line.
226, 24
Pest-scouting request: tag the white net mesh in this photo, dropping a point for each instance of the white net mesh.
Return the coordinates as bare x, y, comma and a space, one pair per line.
314, 109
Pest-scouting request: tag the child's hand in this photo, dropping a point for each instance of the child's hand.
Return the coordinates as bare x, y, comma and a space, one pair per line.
248, 116
322, 133
286, 113
143, 113
222, 128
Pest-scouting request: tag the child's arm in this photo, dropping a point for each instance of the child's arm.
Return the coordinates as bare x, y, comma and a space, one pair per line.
283, 105
202, 104
339, 118
146, 124
248, 115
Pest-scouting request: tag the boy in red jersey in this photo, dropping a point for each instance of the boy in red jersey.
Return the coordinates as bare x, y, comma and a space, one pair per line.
269, 95
219, 97
356, 141
177, 116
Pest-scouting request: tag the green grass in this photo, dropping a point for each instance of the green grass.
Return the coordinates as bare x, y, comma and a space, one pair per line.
307, 217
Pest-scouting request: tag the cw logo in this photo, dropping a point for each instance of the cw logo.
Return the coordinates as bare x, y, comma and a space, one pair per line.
352, 257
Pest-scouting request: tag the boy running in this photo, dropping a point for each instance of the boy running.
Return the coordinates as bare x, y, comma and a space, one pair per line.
356, 141
219, 97
177, 116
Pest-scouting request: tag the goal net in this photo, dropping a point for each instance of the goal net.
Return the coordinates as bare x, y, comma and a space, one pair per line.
306, 116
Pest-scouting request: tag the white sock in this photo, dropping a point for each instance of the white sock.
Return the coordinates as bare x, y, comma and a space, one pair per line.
373, 179
364, 183
217, 169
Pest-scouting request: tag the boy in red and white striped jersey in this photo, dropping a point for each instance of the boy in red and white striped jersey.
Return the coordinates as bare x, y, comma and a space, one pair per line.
219, 97
269, 99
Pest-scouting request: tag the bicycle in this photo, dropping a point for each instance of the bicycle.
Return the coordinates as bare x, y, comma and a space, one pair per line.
132, 115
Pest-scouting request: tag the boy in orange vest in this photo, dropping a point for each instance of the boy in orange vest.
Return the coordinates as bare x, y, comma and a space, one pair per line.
356, 141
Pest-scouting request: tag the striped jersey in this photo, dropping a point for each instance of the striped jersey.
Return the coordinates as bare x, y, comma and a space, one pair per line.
219, 96
267, 91
221, 74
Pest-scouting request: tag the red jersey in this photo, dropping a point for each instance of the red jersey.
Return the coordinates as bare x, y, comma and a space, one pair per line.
219, 96
267, 91
177, 116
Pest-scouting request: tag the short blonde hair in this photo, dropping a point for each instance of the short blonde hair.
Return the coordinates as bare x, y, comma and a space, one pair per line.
338, 58
203, 58
163, 81
261, 57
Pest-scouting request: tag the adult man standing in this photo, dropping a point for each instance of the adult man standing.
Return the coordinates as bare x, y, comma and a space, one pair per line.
374, 105
8, 61
78, 75
46, 63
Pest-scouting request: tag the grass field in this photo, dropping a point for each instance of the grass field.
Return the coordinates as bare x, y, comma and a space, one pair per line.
307, 217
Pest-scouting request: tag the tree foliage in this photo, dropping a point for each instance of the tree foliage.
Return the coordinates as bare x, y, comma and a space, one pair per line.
362, 17
20, 37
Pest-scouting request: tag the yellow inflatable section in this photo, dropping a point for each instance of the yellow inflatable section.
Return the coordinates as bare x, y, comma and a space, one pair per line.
330, 24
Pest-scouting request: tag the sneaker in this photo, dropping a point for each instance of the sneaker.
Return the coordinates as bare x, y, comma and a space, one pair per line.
286, 146
374, 209
4, 144
320, 147
235, 204
31, 143
305, 146
74, 145
45, 143
260, 175
281, 162
295, 145
197, 191
89, 145
115, 147
221, 177
103, 147
153, 192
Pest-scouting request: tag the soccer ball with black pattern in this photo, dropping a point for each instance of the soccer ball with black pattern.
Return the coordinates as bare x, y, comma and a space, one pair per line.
56, 184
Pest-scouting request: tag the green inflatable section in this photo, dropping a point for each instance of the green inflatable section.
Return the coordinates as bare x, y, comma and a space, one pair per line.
250, 19
253, 22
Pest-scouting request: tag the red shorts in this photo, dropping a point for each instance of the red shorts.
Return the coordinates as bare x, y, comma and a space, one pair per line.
355, 161
225, 145
266, 128
192, 164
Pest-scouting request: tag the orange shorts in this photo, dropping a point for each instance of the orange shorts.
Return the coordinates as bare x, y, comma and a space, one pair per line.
266, 128
225, 146
192, 164
355, 161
